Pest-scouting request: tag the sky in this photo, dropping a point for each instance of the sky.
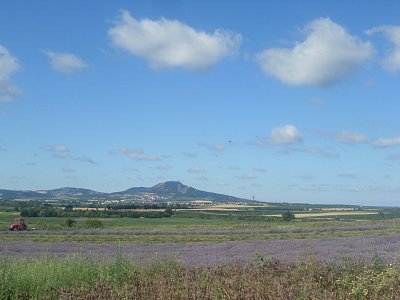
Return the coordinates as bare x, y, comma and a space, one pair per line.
283, 101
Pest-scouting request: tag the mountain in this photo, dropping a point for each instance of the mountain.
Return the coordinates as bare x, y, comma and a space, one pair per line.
175, 191
166, 191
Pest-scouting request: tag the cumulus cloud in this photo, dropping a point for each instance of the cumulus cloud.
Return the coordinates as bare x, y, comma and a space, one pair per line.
326, 56
285, 135
65, 62
392, 59
137, 154
56, 148
169, 43
8, 66
387, 142
347, 137
196, 170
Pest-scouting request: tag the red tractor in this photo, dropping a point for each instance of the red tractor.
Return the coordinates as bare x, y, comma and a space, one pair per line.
19, 225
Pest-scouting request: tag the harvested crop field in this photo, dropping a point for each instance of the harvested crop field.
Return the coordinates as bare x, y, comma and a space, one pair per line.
363, 247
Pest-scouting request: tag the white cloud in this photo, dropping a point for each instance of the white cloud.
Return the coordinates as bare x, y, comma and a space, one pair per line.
347, 137
65, 62
387, 142
327, 55
320, 152
138, 154
8, 66
56, 148
392, 59
196, 170
170, 43
284, 135
6, 98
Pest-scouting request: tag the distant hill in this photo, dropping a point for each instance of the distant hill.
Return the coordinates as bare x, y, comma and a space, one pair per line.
166, 191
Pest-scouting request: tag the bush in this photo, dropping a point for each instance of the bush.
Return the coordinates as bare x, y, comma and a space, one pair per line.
288, 216
94, 223
70, 223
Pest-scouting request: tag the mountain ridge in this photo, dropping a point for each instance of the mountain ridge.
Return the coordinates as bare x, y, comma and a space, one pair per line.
164, 191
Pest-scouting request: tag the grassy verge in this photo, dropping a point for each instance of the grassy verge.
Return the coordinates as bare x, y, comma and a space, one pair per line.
77, 278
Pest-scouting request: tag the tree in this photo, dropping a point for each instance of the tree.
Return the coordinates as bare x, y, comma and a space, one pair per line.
70, 223
288, 216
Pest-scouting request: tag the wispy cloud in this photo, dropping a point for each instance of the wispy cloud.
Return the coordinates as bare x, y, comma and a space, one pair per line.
312, 151
68, 170
138, 154
387, 142
169, 43
233, 168
196, 170
216, 147
9, 65
189, 154
202, 178
62, 152
261, 170
391, 61
316, 102
347, 137
164, 167
326, 56
56, 148
65, 62
305, 176
83, 158
347, 175
247, 177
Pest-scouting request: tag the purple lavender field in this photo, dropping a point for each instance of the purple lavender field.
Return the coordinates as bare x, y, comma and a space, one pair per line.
363, 247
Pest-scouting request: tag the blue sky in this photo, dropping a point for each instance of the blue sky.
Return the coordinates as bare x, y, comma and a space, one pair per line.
289, 101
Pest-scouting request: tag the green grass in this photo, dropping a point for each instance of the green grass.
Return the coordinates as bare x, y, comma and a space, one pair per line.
78, 278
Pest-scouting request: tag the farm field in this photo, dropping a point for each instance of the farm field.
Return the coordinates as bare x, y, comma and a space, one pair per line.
225, 240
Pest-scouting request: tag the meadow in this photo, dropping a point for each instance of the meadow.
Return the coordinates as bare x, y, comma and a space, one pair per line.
219, 252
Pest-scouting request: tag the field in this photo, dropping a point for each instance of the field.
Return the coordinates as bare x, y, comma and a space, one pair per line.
230, 252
